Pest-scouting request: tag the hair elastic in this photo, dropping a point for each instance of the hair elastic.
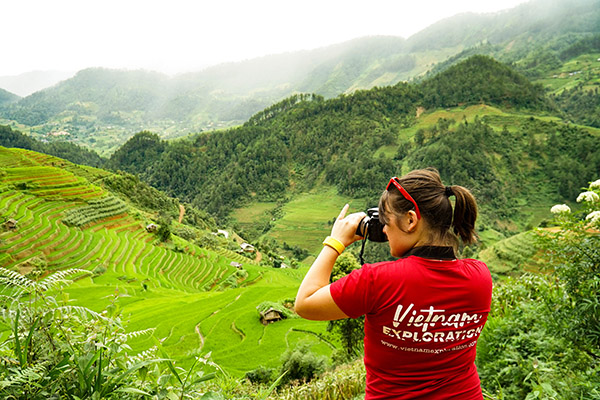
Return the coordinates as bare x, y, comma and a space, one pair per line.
448, 191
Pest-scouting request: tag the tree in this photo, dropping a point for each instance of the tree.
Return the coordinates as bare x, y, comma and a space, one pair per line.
350, 330
164, 228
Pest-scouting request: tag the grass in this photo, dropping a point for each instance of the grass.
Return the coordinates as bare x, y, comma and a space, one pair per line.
257, 211
185, 295
305, 225
582, 70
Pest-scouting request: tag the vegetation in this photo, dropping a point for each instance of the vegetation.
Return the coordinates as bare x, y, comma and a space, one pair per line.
61, 149
194, 296
558, 354
52, 349
305, 142
7, 97
522, 132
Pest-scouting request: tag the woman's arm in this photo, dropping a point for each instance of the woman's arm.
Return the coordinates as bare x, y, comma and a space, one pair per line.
314, 300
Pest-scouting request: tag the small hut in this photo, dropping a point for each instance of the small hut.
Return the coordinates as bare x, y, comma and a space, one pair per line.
151, 228
270, 316
11, 224
247, 248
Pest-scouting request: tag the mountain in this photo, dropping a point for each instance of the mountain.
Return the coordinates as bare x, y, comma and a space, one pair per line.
100, 108
481, 123
516, 30
7, 97
31, 82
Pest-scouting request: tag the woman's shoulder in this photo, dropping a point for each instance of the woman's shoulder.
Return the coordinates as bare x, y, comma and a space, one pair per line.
474, 263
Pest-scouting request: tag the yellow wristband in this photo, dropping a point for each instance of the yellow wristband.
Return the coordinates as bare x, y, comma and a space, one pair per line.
334, 244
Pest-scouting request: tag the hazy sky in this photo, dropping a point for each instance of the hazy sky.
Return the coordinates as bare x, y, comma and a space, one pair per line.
184, 35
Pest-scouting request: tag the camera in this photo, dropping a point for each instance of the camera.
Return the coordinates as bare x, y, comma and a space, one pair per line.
370, 227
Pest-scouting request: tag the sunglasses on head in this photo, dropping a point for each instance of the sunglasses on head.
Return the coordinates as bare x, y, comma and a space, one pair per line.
394, 181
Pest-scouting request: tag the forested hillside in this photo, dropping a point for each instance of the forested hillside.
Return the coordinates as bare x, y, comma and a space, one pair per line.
102, 108
356, 142
7, 97
63, 149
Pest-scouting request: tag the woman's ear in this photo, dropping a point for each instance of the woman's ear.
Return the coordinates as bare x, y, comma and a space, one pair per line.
412, 220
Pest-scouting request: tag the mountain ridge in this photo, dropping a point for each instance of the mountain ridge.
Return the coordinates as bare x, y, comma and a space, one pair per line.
229, 94
355, 142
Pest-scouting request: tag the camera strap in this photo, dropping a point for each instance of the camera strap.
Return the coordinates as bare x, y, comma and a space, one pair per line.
362, 250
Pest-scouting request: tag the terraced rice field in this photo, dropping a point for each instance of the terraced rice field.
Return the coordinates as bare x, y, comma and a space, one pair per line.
195, 298
515, 254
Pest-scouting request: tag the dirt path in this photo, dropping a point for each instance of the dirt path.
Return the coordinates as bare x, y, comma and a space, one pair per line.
181, 212
197, 329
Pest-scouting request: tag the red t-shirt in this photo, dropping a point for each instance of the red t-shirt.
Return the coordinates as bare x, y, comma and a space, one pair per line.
422, 321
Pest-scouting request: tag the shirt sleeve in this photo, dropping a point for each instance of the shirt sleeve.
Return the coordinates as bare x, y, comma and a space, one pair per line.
351, 292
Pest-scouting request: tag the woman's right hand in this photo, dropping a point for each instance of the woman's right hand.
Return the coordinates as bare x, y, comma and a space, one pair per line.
344, 228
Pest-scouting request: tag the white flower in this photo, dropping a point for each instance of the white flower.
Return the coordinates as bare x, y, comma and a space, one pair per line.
560, 208
593, 217
588, 197
595, 184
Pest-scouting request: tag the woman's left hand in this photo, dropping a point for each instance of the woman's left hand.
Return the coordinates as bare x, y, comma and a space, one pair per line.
344, 228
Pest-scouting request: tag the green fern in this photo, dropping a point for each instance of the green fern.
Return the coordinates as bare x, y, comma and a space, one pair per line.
20, 376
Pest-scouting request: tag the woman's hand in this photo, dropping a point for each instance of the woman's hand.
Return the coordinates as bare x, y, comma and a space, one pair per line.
314, 300
344, 228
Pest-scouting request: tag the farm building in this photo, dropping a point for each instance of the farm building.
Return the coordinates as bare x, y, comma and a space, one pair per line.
151, 228
270, 316
11, 223
247, 248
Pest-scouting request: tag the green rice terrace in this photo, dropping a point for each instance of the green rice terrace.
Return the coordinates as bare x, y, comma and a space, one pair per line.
57, 215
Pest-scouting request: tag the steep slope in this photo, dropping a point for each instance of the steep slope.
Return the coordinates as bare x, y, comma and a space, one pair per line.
57, 215
526, 25
7, 97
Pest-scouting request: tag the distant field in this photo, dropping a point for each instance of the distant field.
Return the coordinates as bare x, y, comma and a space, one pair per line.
307, 218
582, 69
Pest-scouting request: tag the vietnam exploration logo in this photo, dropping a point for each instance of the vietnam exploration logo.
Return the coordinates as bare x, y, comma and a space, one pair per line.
433, 325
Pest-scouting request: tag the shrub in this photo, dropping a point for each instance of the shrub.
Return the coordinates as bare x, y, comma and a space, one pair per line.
345, 382
53, 350
260, 375
300, 364
543, 336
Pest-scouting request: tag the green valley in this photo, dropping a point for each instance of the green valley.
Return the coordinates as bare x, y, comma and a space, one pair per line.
199, 300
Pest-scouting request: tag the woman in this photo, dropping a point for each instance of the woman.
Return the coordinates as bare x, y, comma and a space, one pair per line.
424, 311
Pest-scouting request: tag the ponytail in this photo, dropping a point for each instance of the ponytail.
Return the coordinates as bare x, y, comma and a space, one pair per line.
465, 214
